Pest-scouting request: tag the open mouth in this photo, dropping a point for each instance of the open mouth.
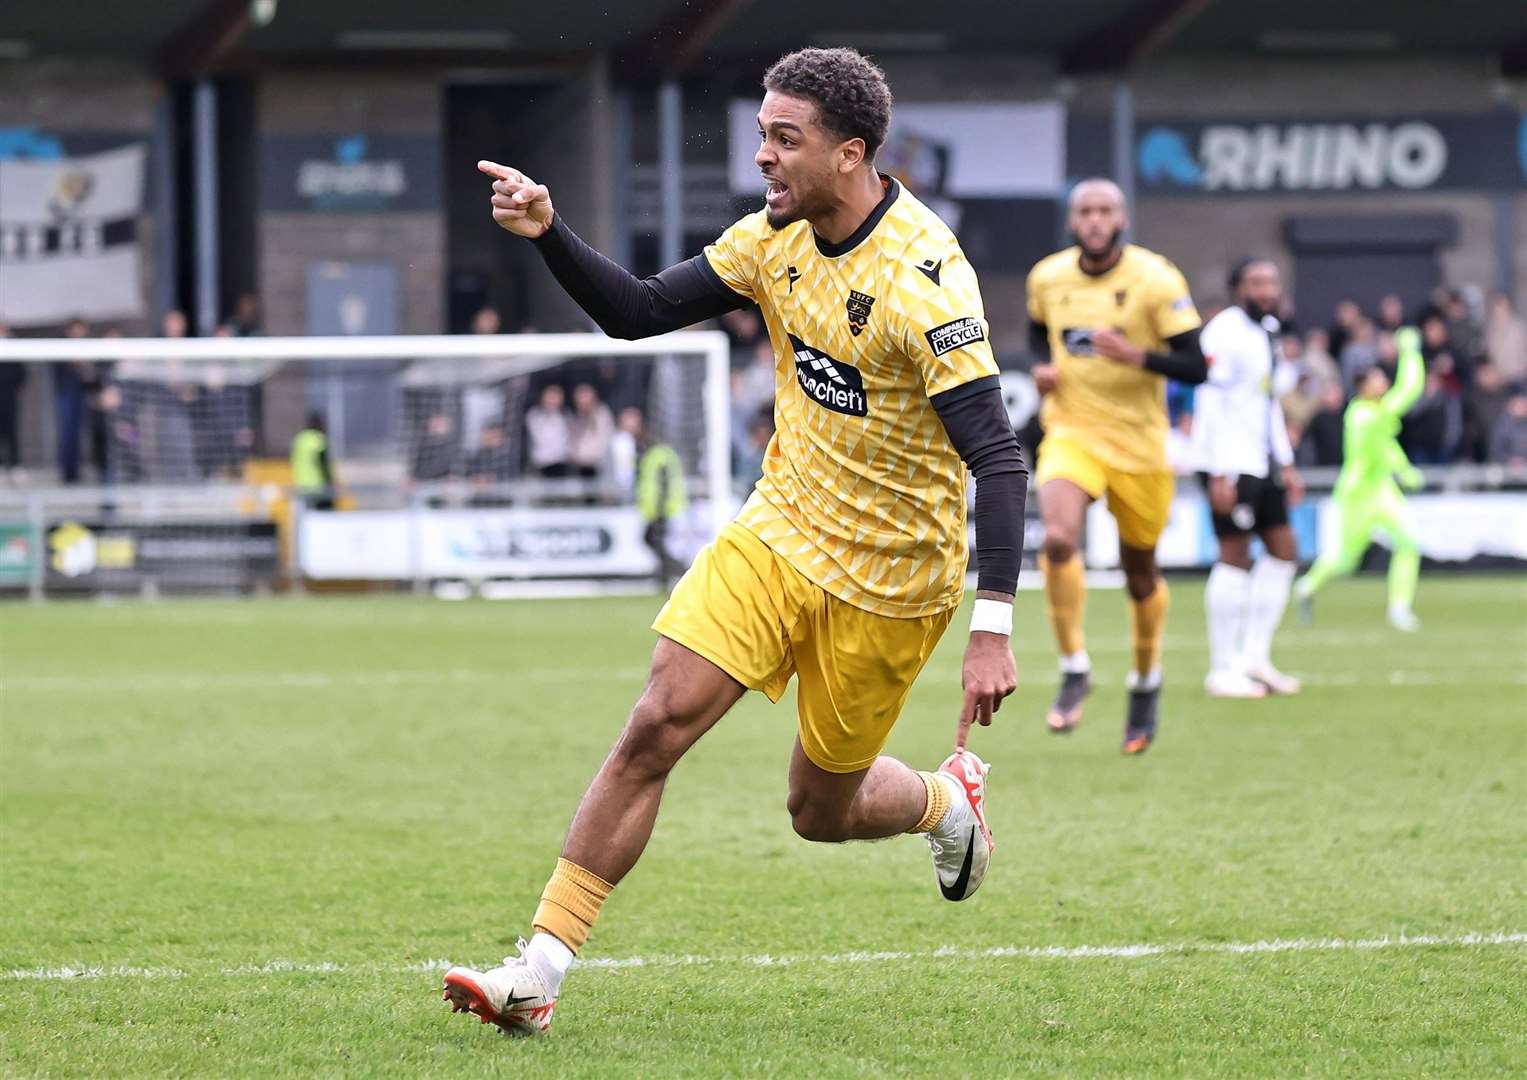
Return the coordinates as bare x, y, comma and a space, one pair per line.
775, 192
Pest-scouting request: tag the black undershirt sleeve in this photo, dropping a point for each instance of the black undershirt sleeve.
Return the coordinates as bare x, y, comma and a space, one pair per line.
976, 419
1039, 341
1185, 362
625, 306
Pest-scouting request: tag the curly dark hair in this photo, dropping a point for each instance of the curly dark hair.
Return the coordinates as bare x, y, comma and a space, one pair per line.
849, 91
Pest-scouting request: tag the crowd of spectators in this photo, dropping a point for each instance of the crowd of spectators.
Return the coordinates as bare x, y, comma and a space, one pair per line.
110, 428
577, 420
1473, 408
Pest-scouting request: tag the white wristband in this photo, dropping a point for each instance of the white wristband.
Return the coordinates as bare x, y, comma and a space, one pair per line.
992, 617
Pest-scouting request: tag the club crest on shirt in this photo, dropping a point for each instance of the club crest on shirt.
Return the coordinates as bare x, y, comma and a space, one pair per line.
859, 305
1118, 297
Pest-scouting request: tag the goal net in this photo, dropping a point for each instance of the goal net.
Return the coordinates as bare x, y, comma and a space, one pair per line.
158, 465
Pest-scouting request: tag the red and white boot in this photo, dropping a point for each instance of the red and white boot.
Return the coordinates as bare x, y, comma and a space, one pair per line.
961, 843
514, 996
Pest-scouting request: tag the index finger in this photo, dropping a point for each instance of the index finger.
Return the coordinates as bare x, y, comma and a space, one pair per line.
967, 717
502, 172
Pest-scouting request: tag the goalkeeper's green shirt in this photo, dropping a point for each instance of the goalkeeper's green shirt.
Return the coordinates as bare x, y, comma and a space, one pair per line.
1371, 454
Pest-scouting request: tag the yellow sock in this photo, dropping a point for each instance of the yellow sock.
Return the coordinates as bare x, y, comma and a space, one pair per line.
1066, 600
571, 903
1147, 619
938, 802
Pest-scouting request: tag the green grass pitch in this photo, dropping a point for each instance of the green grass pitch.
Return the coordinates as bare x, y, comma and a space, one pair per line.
266, 821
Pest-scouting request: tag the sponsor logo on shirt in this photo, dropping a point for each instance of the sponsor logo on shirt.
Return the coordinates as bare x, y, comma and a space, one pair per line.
955, 334
831, 383
1078, 341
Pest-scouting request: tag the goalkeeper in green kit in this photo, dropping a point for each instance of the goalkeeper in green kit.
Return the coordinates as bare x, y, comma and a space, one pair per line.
1366, 495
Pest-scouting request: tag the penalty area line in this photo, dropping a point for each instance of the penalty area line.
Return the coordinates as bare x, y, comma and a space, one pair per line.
764, 960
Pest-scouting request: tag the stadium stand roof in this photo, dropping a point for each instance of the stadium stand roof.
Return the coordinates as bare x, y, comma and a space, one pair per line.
185, 38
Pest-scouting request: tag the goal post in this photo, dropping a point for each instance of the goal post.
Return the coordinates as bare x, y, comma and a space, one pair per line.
441, 429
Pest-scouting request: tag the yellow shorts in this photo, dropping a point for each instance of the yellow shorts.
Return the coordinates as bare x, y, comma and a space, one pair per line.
749, 612
1139, 502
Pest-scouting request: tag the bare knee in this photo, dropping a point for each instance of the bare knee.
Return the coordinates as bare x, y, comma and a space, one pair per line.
656, 736
1059, 545
1140, 573
815, 820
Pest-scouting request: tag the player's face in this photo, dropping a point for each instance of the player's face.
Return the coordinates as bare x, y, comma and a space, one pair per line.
1097, 220
1375, 384
1261, 288
796, 156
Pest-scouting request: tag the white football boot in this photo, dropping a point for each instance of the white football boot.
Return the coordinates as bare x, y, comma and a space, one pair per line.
1233, 684
513, 996
961, 843
1403, 619
1276, 681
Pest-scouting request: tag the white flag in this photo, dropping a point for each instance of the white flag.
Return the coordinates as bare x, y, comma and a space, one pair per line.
69, 244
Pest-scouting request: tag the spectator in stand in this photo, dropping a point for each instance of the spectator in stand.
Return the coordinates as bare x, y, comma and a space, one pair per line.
752, 392
490, 465
12, 376
624, 450
1483, 405
550, 433
1321, 444
1465, 331
1310, 373
245, 320
72, 382
1430, 431
592, 427
1317, 359
435, 454
744, 328
1359, 351
1506, 341
1348, 316
1508, 444
1441, 358
1391, 313
759, 430
487, 320
97, 415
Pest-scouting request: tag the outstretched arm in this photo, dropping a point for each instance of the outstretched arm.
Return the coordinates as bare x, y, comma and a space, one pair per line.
1410, 379
623, 305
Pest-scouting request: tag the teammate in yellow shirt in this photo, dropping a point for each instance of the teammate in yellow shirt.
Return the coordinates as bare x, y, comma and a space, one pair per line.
1114, 321
846, 564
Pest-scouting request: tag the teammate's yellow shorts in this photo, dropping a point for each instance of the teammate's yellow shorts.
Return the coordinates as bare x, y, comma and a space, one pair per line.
749, 612
1140, 502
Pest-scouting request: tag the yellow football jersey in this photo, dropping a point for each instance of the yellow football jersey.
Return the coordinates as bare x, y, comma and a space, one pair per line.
862, 491
1116, 411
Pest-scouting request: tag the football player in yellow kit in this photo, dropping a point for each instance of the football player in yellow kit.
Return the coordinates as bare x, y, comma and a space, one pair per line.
847, 563
1114, 321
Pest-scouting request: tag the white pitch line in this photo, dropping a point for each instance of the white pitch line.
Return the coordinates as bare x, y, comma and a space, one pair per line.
763, 960
307, 680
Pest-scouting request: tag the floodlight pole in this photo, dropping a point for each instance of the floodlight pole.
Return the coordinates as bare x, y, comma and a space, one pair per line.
1124, 140
670, 170
204, 170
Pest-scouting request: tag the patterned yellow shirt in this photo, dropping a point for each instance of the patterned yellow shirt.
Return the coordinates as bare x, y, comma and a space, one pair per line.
1115, 411
862, 491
